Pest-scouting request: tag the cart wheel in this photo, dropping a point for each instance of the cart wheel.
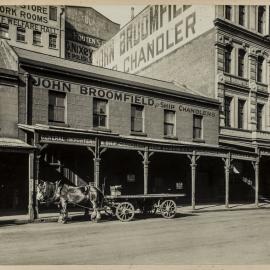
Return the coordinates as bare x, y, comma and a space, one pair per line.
125, 211
168, 209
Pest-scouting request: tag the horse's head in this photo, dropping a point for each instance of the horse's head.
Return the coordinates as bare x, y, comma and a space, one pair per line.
45, 191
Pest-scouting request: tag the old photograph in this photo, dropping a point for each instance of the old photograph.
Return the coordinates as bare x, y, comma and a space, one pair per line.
134, 134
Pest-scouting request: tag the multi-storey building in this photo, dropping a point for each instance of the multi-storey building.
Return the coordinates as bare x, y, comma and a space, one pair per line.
62, 31
220, 51
90, 124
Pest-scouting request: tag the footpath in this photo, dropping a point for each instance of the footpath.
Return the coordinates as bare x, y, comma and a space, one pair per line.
15, 217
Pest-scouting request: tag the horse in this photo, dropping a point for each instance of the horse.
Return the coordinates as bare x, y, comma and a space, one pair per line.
62, 194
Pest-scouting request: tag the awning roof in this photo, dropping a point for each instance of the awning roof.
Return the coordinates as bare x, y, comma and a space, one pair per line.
214, 150
14, 143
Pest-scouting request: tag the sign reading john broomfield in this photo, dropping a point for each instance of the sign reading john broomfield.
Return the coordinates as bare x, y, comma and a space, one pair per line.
154, 33
109, 94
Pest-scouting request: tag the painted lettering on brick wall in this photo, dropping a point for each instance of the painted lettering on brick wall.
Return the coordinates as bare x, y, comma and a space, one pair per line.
28, 17
157, 31
78, 52
64, 86
52, 84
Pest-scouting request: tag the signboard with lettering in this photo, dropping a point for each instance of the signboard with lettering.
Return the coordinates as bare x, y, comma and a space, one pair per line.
29, 17
109, 94
157, 31
80, 46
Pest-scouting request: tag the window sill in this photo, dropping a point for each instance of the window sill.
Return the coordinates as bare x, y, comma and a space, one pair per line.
198, 140
6, 38
102, 129
24, 42
170, 137
38, 45
52, 48
137, 133
58, 124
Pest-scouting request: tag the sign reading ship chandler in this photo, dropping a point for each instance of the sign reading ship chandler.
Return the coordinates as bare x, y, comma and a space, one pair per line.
120, 96
155, 32
31, 17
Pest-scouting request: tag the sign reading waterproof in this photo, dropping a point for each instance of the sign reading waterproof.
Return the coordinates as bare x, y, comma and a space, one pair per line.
155, 32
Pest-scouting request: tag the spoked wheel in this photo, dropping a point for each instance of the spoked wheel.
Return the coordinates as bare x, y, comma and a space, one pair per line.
125, 211
168, 209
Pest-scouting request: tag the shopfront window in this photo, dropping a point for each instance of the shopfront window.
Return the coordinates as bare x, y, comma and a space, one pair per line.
57, 107
137, 118
169, 123
100, 113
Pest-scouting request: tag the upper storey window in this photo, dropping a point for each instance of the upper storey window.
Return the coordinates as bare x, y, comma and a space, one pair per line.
4, 31
242, 15
260, 66
241, 62
227, 59
53, 13
261, 19
228, 12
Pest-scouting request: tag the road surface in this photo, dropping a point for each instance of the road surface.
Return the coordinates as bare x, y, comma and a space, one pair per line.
226, 237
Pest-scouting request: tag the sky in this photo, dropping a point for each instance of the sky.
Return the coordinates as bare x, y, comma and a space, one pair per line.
118, 13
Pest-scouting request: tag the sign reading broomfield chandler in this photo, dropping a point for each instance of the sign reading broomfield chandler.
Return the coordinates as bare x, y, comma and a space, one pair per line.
155, 32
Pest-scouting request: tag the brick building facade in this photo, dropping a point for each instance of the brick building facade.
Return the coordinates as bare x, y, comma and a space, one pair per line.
61, 31
227, 60
78, 121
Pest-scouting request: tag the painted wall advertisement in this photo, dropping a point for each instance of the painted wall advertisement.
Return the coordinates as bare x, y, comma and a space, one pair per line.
29, 17
155, 32
80, 46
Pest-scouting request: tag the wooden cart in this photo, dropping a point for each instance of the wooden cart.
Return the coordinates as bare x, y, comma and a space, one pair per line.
124, 206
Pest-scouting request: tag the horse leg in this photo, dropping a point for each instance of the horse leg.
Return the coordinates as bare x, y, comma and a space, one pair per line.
60, 218
86, 213
63, 212
95, 216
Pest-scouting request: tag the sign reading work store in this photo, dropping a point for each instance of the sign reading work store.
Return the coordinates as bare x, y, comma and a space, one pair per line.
28, 17
155, 32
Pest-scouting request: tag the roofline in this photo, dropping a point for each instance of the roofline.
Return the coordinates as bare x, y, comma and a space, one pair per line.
74, 6
119, 81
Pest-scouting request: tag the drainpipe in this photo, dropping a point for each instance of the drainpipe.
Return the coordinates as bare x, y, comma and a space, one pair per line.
60, 32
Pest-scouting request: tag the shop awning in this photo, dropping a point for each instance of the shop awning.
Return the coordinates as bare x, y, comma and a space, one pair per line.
14, 144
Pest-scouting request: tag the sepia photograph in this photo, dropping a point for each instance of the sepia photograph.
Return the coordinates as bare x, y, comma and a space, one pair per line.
134, 133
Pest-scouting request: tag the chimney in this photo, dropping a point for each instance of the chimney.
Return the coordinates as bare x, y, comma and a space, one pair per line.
132, 13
